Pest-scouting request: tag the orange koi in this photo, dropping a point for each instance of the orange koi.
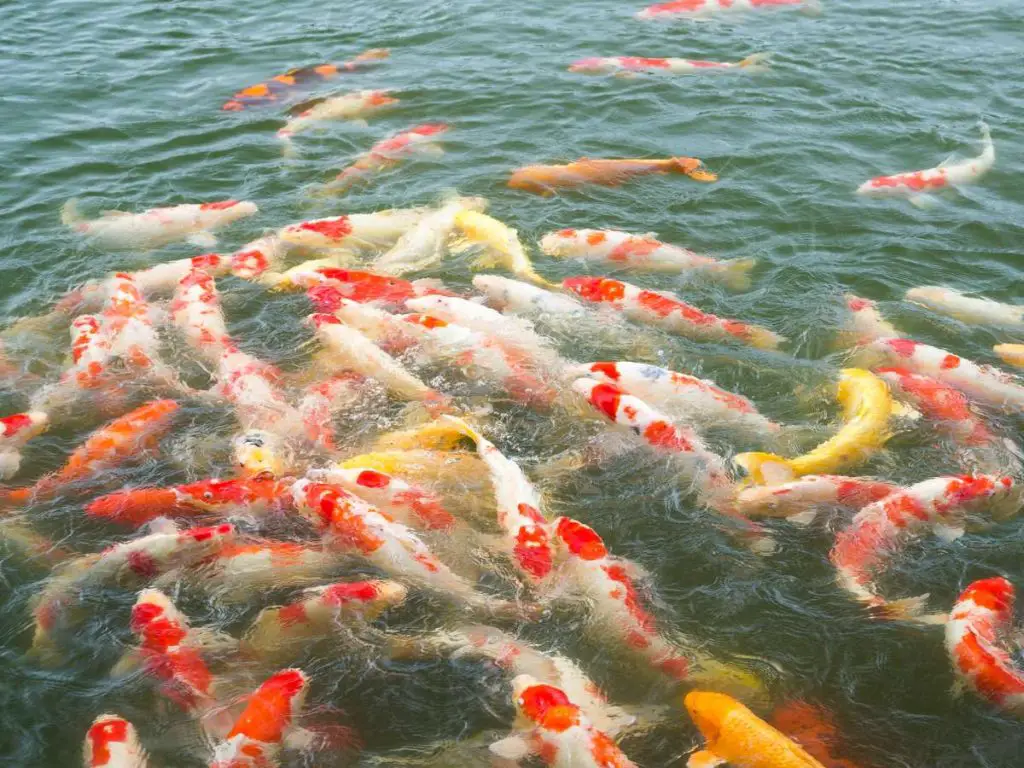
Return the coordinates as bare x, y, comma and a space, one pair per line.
547, 179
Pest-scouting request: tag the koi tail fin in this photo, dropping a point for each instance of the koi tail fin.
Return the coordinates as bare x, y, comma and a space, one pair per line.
756, 62
287, 145
764, 468
988, 152
762, 338
693, 168
909, 609
734, 274
69, 213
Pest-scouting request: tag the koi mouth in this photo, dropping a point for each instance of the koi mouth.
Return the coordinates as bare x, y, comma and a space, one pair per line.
700, 174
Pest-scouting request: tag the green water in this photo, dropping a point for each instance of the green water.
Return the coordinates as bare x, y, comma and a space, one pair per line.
117, 103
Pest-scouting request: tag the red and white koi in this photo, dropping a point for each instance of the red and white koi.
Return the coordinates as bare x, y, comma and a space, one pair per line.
608, 65
917, 186
196, 310
696, 400
865, 322
354, 231
225, 498
280, 630
666, 311
129, 323
525, 299
158, 226
967, 309
326, 399
708, 469
357, 105
643, 252
412, 505
707, 8
976, 633
940, 402
527, 534
800, 500
557, 731
243, 570
420, 140
15, 431
111, 742
326, 285
251, 386
981, 382
257, 257
883, 528
424, 244
269, 719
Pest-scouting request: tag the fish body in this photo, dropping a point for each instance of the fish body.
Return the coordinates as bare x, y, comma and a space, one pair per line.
419, 140
424, 244
111, 742
527, 534
15, 431
735, 735
976, 632
162, 279
318, 613
707, 468
865, 322
697, 400
801, 498
916, 186
411, 504
642, 253
525, 299
946, 405
608, 65
967, 309
281, 86
1013, 354
354, 231
159, 226
666, 311
326, 399
356, 105
883, 528
981, 382
867, 408
257, 257
607, 582
129, 323
557, 731
258, 736
243, 570
196, 310
502, 243
548, 179
251, 386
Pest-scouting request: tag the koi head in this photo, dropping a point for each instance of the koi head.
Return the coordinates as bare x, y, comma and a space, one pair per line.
995, 594
581, 540
273, 707
544, 705
592, 66
708, 710
259, 453
157, 622
375, 596
21, 427
694, 168
136, 506
317, 232
213, 494
564, 242
209, 539
229, 210
255, 258
596, 289
111, 741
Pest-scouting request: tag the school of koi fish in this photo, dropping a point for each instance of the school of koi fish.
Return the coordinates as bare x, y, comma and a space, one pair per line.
379, 473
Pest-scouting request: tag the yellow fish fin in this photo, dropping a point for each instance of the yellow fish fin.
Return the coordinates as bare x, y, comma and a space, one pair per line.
704, 759
764, 468
440, 435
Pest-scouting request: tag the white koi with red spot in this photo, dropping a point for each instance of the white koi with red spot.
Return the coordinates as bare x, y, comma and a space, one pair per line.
425, 243
668, 312
527, 532
800, 499
326, 399
967, 309
196, 310
262, 255
607, 65
707, 468
642, 252
556, 730
697, 400
976, 634
916, 186
354, 231
411, 504
981, 382
251, 386
706, 8
521, 298
944, 404
243, 571
111, 742
158, 226
16, 430
129, 323
357, 105
420, 140
865, 322
882, 529
608, 582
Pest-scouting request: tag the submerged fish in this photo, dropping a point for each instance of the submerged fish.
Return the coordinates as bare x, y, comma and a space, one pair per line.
354, 231
420, 140
967, 309
1012, 354
946, 405
547, 179
502, 244
800, 500
707, 8
917, 186
348, 106
865, 322
605, 65
423, 245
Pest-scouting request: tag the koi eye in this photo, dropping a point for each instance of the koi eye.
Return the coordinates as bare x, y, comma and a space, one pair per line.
208, 495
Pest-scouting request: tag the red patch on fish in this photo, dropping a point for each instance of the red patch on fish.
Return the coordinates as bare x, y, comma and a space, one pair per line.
639, 62
532, 551
12, 425
606, 398
549, 707
949, 361
582, 540
661, 434
359, 591
102, 735
291, 615
597, 289
142, 564
634, 249
902, 347
369, 478
609, 370
336, 229
218, 206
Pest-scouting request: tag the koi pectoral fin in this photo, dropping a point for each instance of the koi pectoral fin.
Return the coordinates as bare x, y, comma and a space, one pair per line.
923, 201
511, 748
704, 759
202, 240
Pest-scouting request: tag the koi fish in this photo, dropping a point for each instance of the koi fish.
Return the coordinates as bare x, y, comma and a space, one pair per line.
607, 65
944, 404
521, 298
253, 495
1012, 354
557, 731
355, 231
735, 735
357, 105
261, 454
814, 729
196, 310
158, 226
251, 386
15, 431
162, 279
865, 322
800, 500
981, 382
916, 186
259, 256
502, 245
122, 439
547, 179
111, 742
966, 309
420, 140
259, 734
697, 400
666, 311
527, 536
975, 635
325, 285
867, 408
424, 244
656, 429
326, 399
883, 528
279, 631
243, 570
352, 350
280, 86
411, 504
643, 252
